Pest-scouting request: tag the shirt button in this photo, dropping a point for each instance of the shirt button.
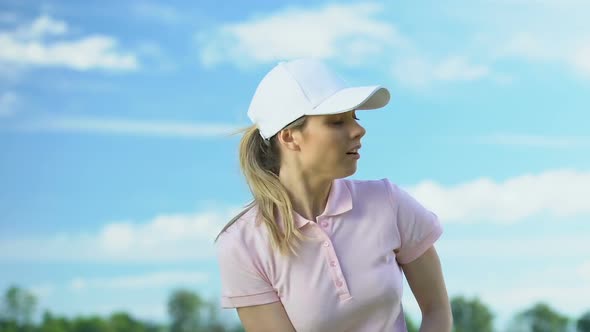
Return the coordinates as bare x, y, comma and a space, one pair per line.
326, 244
324, 224
333, 263
339, 283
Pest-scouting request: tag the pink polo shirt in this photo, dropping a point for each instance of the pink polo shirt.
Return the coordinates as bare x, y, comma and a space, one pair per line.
349, 277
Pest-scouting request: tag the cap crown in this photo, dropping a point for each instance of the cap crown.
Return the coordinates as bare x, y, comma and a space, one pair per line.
290, 90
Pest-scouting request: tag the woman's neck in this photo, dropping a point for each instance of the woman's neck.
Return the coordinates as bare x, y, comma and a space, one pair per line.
308, 194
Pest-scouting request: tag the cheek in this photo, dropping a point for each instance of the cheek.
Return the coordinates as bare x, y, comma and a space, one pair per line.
326, 151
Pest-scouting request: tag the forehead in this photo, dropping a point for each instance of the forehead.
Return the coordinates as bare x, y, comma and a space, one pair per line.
329, 116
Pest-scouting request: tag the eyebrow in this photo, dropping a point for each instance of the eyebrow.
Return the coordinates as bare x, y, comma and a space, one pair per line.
339, 115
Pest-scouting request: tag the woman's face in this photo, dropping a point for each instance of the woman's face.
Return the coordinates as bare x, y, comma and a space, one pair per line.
325, 142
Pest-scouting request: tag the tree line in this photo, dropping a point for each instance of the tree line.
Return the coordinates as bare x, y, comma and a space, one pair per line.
187, 311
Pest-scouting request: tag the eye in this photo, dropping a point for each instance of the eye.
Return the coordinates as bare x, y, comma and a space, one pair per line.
339, 122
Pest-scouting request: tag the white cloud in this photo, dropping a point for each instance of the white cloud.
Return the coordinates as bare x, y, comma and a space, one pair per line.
163, 279
125, 127
459, 69
343, 32
539, 32
41, 27
166, 238
535, 141
350, 34
420, 72
564, 194
527, 45
9, 102
553, 47
26, 46
157, 12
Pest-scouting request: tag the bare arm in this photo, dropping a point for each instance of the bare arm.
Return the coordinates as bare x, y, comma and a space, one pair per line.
270, 317
426, 281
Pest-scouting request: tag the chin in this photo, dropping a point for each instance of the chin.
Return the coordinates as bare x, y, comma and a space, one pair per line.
346, 173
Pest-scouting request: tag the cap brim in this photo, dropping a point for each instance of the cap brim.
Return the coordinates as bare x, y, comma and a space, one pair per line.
348, 99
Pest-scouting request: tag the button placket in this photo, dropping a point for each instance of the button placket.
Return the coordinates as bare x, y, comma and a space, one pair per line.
323, 225
335, 271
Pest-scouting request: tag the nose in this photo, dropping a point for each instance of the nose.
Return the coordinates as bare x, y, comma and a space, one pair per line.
358, 131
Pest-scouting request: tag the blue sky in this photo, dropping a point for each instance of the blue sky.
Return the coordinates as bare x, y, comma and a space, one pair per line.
116, 168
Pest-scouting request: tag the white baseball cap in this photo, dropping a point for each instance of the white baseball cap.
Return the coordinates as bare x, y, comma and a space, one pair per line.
307, 86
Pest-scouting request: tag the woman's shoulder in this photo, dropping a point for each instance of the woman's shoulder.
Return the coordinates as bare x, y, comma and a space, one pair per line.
243, 225
371, 193
243, 237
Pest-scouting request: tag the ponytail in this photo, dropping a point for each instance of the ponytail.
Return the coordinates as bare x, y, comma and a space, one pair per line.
260, 163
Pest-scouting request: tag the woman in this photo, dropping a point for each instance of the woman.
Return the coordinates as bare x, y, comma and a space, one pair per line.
314, 251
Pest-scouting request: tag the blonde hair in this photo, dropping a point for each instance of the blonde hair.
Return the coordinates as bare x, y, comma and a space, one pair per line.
260, 162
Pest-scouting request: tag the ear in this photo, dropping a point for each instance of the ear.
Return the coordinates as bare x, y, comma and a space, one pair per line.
289, 139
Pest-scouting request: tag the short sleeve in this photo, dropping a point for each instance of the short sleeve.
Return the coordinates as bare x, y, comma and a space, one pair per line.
242, 284
418, 227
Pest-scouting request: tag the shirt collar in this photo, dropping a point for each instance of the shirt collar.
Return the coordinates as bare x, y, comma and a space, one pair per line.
339, 201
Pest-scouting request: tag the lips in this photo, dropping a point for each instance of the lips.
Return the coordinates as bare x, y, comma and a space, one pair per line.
354, 150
